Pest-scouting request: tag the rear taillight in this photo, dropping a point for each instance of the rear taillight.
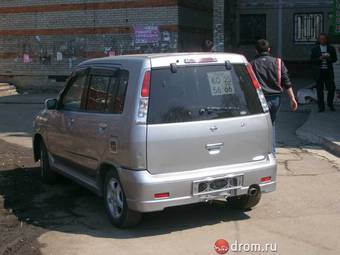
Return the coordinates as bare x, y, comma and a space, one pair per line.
257, 86
266, 179
144, 99
253, 78
146, 84
201, 60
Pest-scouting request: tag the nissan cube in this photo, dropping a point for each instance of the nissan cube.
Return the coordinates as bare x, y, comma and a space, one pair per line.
148, 132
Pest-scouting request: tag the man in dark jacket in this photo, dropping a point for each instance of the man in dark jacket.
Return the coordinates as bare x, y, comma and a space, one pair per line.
274, 79
323, 57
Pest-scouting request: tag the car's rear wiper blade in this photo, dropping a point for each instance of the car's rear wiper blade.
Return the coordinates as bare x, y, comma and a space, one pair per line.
218, 109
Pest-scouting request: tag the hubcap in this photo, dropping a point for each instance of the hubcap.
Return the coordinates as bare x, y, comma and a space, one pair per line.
114, 197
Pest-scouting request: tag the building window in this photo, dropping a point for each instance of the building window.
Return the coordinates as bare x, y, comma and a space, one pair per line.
252, 28
307, 26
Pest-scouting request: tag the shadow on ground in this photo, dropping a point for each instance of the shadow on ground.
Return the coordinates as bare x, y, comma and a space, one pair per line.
69, 208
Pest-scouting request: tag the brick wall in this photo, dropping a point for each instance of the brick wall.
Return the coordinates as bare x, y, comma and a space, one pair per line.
47, 38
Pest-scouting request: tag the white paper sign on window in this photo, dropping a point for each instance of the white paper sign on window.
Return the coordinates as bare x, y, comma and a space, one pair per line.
221, 83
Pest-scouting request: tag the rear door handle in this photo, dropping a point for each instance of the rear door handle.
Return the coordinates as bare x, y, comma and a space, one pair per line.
214, 148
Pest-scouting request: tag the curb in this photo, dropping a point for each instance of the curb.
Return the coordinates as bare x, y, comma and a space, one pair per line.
331, 146
305, 133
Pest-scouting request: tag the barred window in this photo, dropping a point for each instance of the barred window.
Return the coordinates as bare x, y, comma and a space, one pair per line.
307, 27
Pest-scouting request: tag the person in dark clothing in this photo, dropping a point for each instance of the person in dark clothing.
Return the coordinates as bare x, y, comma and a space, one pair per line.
323, 56
273, 76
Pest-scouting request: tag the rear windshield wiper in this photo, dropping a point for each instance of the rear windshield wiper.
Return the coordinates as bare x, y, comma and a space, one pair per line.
218, 109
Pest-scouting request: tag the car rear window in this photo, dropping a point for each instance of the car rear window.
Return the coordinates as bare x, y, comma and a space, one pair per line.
196, 93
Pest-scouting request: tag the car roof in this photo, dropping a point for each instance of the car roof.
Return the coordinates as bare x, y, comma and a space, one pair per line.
164, 59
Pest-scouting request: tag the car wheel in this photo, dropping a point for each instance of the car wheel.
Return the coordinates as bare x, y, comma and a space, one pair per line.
47, 175
115, 203
244, 202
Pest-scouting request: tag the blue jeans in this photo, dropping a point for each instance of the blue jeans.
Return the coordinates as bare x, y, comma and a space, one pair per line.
274, 103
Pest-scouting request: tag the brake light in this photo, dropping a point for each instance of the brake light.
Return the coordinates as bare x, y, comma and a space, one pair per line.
162, 195
266, 179
146, 84
253, 78
144, 99
257, 86
207, 60
201, 60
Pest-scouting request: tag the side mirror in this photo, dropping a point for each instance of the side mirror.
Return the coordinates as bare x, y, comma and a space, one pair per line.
51, 104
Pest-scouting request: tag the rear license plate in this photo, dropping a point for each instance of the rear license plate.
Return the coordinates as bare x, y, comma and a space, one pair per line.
217, 185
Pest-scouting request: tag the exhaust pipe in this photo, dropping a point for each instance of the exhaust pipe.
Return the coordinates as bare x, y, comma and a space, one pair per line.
254, 190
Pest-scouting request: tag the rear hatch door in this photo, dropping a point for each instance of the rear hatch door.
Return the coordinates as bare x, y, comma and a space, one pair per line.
204, 116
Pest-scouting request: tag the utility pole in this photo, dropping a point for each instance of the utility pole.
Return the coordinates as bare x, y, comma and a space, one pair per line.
279, 30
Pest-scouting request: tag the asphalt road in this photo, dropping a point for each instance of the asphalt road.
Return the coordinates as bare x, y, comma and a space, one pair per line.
301, 217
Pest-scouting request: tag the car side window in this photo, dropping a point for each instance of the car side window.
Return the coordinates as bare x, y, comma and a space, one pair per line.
98, 93
72, 98
119, 88
107, 91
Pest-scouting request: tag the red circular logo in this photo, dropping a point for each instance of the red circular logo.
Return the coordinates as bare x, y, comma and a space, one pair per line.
221, 246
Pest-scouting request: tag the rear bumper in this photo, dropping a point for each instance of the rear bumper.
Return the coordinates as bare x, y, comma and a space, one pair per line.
140, 186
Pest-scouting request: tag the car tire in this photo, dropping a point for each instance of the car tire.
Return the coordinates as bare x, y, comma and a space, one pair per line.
244, 202
48, 176
115, 203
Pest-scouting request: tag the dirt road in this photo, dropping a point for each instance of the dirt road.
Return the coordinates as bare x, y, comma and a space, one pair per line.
18, 180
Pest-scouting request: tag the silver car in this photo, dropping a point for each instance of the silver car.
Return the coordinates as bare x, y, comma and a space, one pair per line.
147, 132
